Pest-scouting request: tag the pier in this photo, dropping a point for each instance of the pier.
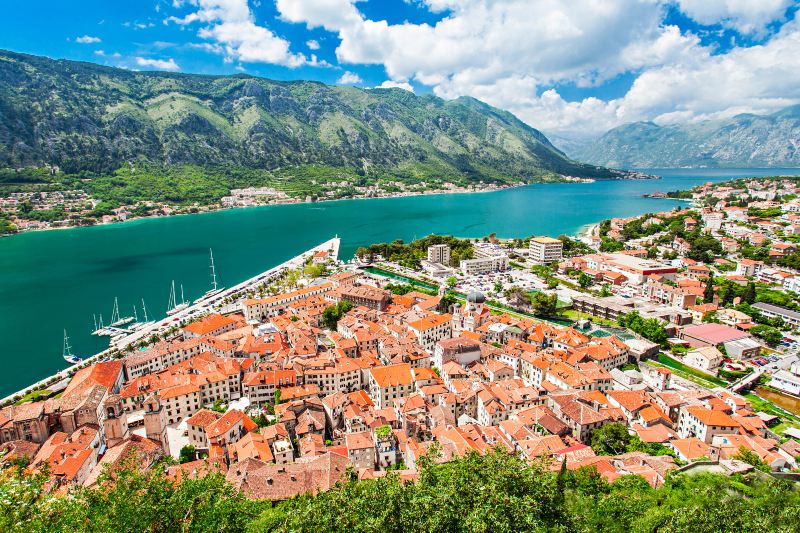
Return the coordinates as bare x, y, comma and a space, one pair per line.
200, 307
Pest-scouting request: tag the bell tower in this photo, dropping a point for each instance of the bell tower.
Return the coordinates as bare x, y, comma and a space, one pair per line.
115, 424
155, 422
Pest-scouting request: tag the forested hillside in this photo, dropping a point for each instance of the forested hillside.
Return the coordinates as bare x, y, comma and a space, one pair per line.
91, 119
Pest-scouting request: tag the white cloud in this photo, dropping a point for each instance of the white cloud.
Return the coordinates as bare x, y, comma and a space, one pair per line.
87, 39
388, 84
102, 53
349, 78
511, 53
231, 24
746, 16
312, 44
158, 64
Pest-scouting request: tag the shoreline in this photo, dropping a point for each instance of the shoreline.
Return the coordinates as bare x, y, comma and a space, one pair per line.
218, 208
203, 305
435, 192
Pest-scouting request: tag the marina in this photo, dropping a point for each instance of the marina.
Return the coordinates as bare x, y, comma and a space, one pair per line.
138, 260
122, 338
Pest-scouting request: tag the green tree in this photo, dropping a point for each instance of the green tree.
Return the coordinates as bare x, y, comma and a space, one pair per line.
769, 334
584, 279
276, 397
331, 315
749, 295
611, 439
752, 458
188, 453
708, 294
544, 305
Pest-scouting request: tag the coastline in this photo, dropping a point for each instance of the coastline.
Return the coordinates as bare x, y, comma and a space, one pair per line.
206, 304
216, 208
487, 188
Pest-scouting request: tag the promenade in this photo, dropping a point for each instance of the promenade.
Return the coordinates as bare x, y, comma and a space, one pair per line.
202, 306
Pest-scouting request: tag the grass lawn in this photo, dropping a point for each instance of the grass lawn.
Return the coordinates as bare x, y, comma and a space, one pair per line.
681, 370
577, 315
33, 395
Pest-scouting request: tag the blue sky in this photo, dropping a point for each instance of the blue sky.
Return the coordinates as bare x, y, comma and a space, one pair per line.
573, 68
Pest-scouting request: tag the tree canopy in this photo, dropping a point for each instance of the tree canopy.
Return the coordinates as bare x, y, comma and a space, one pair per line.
498, 492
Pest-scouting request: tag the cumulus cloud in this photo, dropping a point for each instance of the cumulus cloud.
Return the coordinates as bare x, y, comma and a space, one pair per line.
746, 16
349, 78
158, 64
231, 24
388, 84
511, 53
87, 39
515, 53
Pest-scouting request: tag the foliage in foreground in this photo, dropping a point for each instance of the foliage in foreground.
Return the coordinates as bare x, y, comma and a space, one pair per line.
498, 492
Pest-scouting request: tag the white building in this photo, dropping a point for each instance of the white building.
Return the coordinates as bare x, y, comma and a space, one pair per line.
439, 253
546, 250
705, 358
483, 265
787, 380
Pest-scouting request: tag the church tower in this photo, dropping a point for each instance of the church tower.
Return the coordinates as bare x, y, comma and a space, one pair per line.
155, 422
115, 424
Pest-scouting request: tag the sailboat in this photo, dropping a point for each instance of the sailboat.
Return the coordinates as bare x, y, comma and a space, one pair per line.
173, 306
99, 328
116, 320
214, 289
136, 326
67, 354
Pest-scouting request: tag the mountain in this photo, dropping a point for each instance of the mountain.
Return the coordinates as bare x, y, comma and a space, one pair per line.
742, 141
85, 117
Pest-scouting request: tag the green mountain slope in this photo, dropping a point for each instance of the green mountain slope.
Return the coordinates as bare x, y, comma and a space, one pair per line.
742, 141
86, 117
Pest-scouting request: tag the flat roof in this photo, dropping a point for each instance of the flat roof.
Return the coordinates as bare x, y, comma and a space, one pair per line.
714, 333
545, 240
637, 263
778, 310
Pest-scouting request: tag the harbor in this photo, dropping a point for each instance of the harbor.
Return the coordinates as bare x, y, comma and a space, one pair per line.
121, 338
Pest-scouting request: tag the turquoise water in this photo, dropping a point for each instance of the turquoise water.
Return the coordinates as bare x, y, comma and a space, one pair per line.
57, 279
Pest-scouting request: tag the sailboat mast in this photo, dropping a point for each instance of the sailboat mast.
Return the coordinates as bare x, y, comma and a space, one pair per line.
115, 312
213, 270
183, 300
144, 308
172, 303
135, 316
67, 347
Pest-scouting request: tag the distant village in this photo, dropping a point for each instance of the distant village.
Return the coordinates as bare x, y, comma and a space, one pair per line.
675, 333
41, 210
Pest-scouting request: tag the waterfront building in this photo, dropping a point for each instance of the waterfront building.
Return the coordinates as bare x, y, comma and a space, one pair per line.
545, 250
484, 265
260, 309
439, 253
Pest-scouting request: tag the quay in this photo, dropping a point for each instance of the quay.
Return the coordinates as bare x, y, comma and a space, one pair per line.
201, 306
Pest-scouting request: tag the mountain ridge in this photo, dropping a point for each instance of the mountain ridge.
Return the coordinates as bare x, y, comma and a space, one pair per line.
744, 140
84, 117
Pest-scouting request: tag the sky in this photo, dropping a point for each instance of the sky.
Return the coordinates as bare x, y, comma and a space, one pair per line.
571, 68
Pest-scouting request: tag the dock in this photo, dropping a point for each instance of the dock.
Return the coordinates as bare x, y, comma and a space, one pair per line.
209, 304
